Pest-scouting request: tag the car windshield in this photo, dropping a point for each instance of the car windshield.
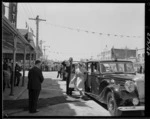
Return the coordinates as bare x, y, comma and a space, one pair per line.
117, 67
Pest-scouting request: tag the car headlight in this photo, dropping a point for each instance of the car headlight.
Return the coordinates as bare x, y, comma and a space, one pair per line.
129, 86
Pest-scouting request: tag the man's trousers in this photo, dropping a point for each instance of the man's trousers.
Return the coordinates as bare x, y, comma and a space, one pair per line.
33, 99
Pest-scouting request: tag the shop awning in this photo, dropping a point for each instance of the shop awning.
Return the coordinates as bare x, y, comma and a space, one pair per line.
8, 34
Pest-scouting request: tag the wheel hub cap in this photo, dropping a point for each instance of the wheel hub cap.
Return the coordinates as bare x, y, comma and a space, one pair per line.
111, 104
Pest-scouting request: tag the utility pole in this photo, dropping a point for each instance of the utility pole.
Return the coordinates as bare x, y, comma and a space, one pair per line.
44, 51
41, 42
37, 31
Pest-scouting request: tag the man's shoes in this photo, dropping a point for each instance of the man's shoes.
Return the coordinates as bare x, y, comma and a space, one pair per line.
34, 111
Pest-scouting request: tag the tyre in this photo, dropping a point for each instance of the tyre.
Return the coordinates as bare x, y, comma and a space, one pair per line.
112, 105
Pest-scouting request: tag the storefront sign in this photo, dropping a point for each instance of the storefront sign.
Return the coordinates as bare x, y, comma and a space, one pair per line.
13, 13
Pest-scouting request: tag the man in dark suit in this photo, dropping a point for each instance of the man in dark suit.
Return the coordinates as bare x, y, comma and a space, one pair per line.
35, 77
68, 71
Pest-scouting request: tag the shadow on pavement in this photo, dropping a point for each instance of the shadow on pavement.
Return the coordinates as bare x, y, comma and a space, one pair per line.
84, 98
54, 101
22, 104
45, 100
102, 104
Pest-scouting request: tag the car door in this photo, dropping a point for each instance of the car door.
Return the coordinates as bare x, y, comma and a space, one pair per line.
95, 78
88, 80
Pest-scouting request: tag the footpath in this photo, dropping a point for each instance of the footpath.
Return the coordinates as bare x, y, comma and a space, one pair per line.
17, 91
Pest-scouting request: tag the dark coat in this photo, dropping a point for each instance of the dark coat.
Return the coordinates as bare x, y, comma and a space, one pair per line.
35, 78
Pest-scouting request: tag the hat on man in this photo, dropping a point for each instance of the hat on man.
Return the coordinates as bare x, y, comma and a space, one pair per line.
37, 61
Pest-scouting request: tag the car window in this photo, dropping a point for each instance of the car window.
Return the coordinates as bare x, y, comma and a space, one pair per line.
129, 67
117, 67
121, 67
113, 67
108, 67
95, 67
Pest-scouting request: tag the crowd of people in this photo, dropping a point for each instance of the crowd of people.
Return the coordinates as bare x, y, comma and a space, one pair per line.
8, 73
74, 75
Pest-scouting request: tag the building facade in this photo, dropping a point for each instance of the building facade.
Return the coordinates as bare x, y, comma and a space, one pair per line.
140, 55
108, 54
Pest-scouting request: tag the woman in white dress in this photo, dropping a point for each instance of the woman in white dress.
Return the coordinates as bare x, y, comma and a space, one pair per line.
80, 78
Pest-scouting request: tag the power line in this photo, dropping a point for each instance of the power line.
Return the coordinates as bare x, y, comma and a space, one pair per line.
34, 11
24, 10
30, 9
45, 11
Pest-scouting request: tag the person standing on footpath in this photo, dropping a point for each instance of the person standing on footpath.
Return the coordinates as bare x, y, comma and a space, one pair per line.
35, 78
59, 70
17, 74
6, 74
68, 75
63, 70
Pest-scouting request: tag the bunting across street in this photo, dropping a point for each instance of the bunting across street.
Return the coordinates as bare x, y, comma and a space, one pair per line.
92, 32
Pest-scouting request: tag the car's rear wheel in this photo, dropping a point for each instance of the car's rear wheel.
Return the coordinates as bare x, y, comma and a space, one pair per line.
112, 105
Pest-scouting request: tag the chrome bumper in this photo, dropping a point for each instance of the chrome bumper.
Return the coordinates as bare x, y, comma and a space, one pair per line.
132, 108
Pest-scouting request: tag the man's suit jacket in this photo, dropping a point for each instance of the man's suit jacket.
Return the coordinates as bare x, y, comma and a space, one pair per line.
35, 78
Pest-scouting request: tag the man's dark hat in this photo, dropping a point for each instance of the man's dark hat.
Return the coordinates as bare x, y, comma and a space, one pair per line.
37, 61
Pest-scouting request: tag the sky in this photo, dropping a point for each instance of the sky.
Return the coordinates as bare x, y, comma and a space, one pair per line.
127, 19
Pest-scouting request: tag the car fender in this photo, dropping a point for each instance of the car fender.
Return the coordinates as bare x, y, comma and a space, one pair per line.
111, 88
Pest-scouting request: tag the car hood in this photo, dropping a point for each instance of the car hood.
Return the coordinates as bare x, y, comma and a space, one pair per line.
138, 78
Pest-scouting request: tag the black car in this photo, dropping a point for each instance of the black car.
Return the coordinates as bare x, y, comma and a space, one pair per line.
115, 83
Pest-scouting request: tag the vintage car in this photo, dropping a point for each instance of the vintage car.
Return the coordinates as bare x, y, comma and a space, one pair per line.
115, 83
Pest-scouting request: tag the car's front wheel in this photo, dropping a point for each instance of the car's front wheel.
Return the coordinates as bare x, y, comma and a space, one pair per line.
112, 105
